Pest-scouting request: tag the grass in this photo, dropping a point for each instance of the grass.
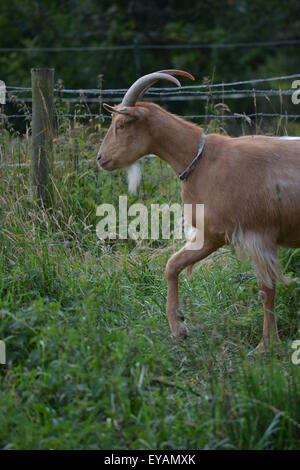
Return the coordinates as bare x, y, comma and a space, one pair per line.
90, 360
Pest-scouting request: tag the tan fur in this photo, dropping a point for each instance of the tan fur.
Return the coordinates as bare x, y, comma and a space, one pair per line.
262, 253
250, 187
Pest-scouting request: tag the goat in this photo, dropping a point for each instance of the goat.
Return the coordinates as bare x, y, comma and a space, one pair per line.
250, 188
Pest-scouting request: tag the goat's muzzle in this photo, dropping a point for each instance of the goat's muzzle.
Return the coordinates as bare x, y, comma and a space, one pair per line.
99, 157
101, 161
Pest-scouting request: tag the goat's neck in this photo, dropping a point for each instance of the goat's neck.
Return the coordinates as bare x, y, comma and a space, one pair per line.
175, 140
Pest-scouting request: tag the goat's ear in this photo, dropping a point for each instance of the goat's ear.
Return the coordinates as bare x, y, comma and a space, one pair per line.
111, 109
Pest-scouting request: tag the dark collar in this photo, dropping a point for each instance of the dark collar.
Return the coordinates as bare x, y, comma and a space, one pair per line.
185, 174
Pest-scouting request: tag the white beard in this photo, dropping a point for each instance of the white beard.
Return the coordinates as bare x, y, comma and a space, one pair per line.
134, 176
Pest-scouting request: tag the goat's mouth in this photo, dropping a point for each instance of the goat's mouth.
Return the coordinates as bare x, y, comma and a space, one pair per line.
102, 164
105, 162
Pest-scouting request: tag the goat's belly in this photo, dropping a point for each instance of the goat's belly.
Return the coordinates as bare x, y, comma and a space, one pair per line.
291, 239
281, 210
288, 224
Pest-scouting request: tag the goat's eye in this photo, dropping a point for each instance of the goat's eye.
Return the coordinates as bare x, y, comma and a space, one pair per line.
120, 126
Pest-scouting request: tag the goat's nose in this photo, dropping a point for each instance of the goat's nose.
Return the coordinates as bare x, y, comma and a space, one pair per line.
99, 156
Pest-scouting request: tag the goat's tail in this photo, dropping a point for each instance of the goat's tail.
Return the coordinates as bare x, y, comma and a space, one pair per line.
263, 253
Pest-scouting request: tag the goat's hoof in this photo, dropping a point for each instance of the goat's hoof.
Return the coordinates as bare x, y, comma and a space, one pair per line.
265, 347
180, 331
260, 349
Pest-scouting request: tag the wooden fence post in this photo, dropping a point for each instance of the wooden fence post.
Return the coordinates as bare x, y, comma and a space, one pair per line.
42, 82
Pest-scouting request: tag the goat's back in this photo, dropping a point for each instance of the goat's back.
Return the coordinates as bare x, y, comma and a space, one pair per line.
252, 182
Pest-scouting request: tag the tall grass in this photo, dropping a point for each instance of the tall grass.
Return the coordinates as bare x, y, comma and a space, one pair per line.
90, 361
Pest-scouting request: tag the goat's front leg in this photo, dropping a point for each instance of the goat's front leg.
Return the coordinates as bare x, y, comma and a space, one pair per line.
175, 265
270, 331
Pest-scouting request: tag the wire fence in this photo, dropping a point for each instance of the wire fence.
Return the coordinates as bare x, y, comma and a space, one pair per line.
77, 104
176, 96
185, 116
264, 104
136, 44
140, 52
224, 91
164, 89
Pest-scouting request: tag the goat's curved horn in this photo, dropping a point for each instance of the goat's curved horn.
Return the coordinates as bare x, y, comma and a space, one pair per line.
139, 87
142, 84
182, 73
173, 72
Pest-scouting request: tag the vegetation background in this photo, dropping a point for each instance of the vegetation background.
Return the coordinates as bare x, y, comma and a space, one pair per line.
90, 363
88, 23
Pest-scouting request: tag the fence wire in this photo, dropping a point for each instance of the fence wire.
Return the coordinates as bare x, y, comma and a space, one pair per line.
222, 91
243, 45
208, 86
184, 116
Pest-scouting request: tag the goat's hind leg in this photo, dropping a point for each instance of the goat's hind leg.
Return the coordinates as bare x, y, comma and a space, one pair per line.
270, 330
175, 265
262, 249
